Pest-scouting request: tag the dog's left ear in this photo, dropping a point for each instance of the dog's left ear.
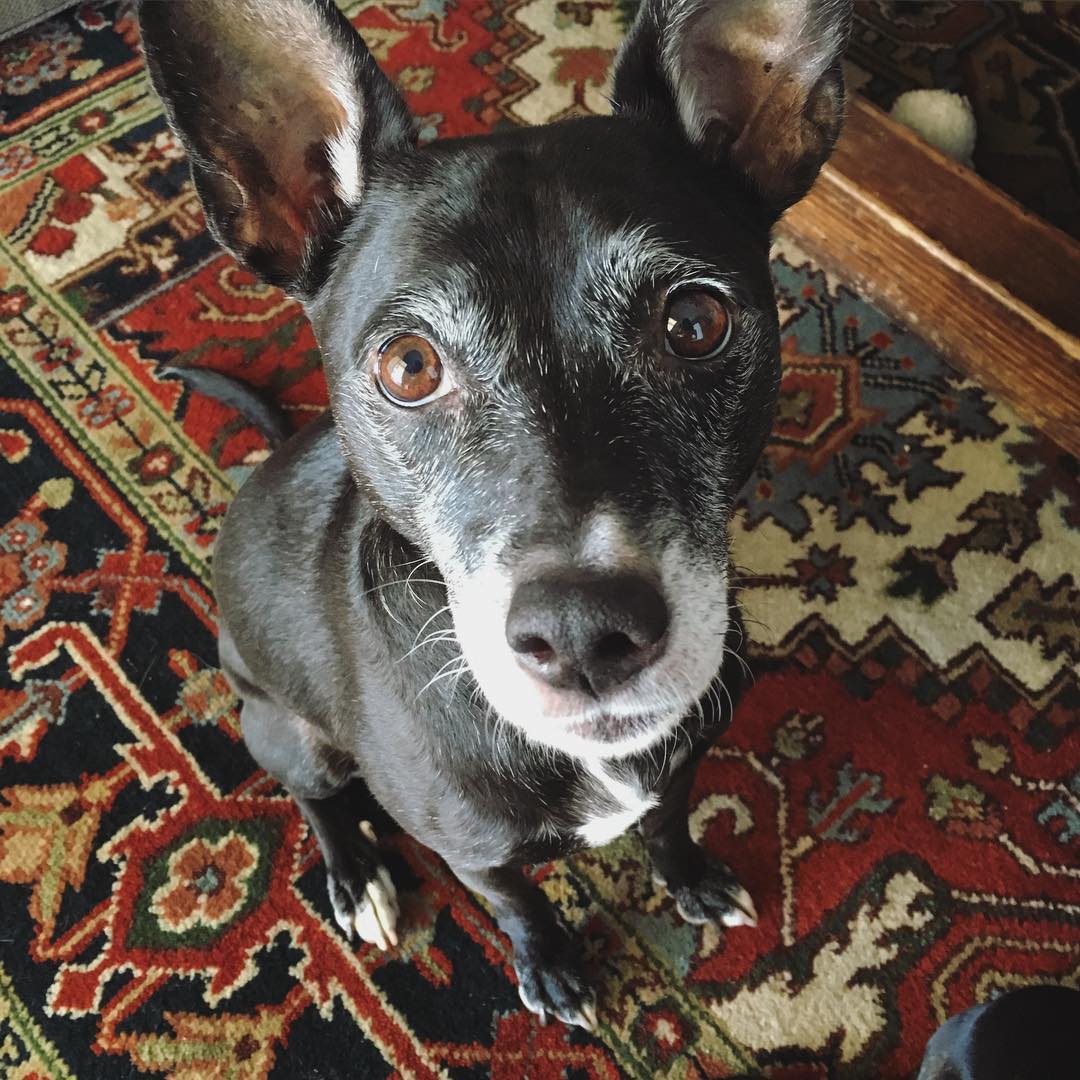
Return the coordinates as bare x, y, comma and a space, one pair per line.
284, 115
756, 83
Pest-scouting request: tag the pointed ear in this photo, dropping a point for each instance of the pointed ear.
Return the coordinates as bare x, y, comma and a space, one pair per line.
283, 113
753, 82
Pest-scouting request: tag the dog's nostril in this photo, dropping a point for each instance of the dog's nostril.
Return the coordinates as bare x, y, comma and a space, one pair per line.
536, 647
613, 647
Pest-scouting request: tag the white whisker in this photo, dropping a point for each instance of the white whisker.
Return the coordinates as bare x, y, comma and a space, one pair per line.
429, 620
443, 673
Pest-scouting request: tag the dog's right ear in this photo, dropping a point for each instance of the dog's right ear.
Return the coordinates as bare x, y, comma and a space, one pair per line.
283, 113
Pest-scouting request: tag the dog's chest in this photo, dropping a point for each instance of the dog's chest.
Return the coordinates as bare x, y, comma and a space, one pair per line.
608, 805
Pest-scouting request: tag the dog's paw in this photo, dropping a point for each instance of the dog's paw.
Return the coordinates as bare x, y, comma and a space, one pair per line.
556, 987
717, 898
368, 910
363, 897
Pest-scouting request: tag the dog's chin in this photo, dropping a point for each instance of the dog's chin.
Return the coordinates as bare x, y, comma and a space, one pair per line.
609, 736
594, 732
611, 730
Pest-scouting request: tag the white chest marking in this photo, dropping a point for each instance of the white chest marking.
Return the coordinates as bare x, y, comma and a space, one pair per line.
633, 802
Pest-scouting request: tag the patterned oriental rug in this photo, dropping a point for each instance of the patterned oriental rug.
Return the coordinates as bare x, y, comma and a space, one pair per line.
900, 792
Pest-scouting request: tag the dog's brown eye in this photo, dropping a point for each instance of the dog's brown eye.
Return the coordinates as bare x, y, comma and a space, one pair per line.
410, 371
697, 324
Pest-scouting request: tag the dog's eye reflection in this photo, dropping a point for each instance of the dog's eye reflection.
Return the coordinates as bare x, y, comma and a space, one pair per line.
697, 324
409, 370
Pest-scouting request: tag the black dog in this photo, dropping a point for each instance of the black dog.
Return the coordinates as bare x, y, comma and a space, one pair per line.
1027, 1034
494, 583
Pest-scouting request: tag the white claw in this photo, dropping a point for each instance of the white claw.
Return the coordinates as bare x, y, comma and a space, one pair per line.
343, 919
585, 1017
693, 920
742, 913
375, 920
369, 831
533, 1007
745, 914
588, 1013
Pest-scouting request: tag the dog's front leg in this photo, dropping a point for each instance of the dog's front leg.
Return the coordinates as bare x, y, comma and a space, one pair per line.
316, 776
704, 890
548, 967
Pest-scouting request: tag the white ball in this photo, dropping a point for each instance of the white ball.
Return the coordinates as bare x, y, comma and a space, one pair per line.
942, 118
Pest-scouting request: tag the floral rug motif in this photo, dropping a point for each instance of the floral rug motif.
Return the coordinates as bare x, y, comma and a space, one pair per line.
900, 792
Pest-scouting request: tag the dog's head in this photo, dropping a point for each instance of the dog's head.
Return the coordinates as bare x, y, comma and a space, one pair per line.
552, 353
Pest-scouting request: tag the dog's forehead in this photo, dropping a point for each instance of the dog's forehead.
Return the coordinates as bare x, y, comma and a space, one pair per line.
544, 238
575, 291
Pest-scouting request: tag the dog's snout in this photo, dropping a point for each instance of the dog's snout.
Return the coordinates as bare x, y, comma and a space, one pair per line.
587, 631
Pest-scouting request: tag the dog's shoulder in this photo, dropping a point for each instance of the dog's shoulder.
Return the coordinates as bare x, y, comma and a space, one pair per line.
296, 486
280, 553
285, 512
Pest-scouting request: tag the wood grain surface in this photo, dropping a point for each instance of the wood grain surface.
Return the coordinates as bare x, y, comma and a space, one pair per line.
994, 288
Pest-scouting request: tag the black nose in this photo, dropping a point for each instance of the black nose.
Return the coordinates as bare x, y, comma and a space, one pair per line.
586, 631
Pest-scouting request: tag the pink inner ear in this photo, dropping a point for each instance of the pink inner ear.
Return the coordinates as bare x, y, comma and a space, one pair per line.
283, 167
307, 171
774, 136
276, 88
749, 80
